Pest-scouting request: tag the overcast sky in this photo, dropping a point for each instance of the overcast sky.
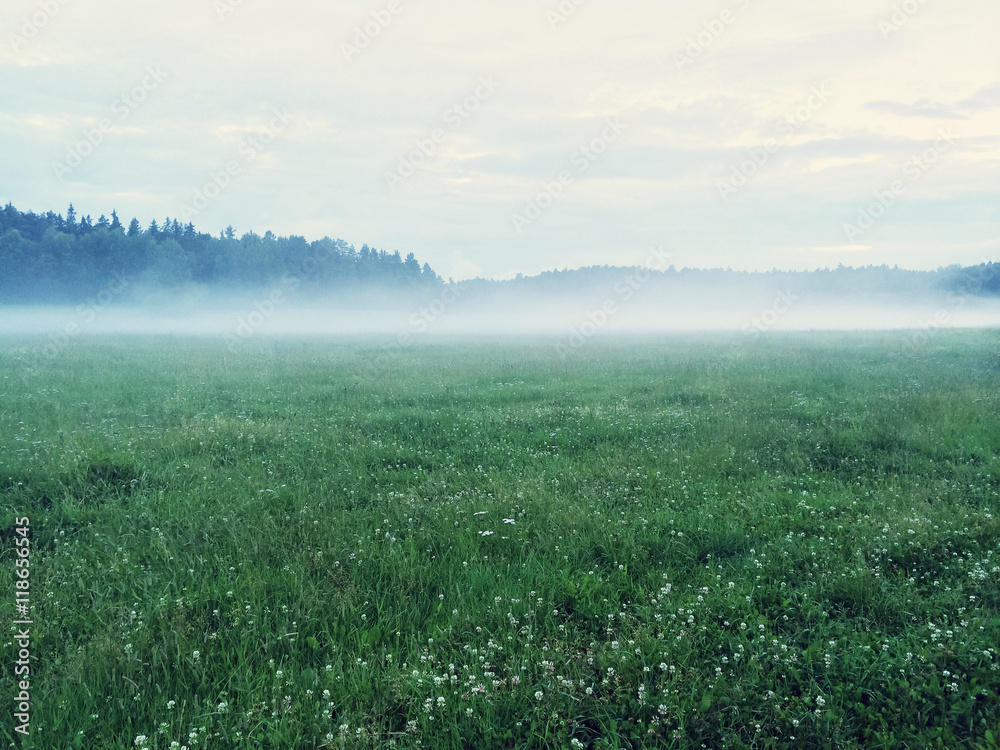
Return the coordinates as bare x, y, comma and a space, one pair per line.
491, 138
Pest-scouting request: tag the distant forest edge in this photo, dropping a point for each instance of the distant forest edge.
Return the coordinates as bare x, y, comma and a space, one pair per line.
48, 258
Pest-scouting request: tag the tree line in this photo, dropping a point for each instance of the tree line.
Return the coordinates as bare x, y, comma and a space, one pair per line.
54, 258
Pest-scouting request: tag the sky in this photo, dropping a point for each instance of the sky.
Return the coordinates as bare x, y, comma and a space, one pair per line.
491, 139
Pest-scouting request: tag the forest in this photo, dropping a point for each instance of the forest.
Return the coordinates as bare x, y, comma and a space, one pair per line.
50, 258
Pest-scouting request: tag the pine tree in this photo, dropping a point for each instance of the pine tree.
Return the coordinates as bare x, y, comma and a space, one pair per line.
412, 266
115, 223
133, 228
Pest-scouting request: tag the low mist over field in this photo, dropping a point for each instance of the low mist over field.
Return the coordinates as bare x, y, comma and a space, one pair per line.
66, 276
579, 304
457, 311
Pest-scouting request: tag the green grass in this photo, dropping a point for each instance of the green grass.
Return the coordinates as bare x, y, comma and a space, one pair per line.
654, 542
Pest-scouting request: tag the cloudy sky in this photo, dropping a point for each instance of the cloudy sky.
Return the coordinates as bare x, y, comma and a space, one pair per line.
494, 138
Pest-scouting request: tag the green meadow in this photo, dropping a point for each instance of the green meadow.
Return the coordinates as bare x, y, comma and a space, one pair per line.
653, 542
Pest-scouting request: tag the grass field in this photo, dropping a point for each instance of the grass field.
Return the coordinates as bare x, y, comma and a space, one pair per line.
653, 542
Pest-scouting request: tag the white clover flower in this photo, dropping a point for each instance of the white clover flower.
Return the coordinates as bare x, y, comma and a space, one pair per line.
538, 695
